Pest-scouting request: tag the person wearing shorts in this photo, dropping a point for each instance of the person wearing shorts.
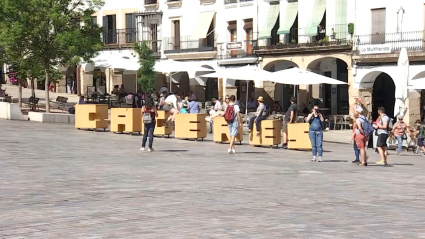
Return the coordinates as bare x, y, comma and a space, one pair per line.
361, 137
382, 130
171, 106
420, 136
290, 117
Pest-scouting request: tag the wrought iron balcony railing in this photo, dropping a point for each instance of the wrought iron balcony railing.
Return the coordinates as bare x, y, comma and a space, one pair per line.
119, 38
412, 41
331, 35
239, 49
184, 44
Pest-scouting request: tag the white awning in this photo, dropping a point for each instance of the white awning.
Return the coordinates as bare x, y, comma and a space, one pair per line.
202, 25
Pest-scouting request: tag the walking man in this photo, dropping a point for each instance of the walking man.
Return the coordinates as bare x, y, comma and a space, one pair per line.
290, 117
382, 130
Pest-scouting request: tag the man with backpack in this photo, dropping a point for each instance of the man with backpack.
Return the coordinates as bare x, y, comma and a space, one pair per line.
382, 131
363, 130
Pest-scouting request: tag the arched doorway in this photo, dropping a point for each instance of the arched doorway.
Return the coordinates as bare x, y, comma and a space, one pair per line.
383, 95
282, 92
334, 98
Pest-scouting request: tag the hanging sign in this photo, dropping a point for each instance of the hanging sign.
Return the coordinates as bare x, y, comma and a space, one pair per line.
375, 49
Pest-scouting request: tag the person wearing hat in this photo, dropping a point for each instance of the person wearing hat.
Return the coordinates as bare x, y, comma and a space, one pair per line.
259, 115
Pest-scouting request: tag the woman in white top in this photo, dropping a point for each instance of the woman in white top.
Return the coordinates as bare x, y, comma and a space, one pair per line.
233, 125
171, 106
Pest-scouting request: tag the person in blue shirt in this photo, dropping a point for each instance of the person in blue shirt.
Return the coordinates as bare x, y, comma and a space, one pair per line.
193, 107
315, 119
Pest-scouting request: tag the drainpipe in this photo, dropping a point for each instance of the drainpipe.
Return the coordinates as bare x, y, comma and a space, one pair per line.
79, 80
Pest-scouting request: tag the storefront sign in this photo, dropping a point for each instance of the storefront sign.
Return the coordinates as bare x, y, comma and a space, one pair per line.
234, 45
375, 49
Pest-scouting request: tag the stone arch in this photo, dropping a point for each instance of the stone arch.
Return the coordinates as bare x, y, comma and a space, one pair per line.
279, 92
312, 63
382, 90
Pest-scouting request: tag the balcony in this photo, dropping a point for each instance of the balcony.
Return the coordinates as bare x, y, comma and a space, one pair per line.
329, 38
174, 3
151, 2
185, 47
394, 42
125, 38
230, 1
236, 50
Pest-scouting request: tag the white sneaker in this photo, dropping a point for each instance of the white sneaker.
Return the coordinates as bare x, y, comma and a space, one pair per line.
320, 159
229, 151
313, 159
233, 151
150, 150
142, 149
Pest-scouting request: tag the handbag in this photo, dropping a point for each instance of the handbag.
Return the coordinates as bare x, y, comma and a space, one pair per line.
147, 118
404, 137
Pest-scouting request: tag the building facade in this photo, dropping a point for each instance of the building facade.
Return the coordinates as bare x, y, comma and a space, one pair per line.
383, 29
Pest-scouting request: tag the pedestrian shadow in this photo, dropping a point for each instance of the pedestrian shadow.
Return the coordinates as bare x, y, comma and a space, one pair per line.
334, 161
174, 150
402, 164
253, 152
378, 165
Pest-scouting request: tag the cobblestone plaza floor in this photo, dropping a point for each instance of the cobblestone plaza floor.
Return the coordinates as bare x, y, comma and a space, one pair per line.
58, 182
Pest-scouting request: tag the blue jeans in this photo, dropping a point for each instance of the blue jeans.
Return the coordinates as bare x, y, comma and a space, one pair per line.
316, 138
356, 151
400, 143
149, 128
257, 124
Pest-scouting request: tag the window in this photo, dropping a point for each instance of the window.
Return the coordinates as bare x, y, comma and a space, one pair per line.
378, 26
109, 29
94, 21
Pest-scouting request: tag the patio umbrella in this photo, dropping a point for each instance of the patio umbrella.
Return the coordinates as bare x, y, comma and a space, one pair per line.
173, 67
403, 69
246, 73
296, 76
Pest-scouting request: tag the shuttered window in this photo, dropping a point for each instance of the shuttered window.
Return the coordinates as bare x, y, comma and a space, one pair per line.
378, 26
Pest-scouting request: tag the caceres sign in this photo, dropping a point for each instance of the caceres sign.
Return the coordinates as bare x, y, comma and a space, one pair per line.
234, 45
375, 49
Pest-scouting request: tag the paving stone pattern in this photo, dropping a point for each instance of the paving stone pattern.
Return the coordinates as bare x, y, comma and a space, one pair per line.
58, 182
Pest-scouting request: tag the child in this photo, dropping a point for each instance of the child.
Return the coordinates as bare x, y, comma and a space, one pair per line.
420, 136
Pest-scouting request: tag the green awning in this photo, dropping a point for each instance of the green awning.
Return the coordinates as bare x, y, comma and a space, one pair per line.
319, 8
341, 28
272, 15
288, 19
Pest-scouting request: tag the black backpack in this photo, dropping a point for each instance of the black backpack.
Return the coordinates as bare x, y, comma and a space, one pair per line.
268, 110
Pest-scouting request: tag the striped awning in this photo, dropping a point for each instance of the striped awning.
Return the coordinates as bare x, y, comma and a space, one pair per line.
287, 20
272, 15
319, 8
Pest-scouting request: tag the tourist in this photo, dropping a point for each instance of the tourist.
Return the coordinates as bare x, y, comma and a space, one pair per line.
115, 91
192, 96
252, 104
276, 107
217, 107
315, 119
185, 105
171, 106
259, 116
162, 100
420, 136
400, 132
226, 102
122, 90
193, 107
290, 117
164, 89
356, 150
149, 117
233, 118
382, 130
361, 137
81, 101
